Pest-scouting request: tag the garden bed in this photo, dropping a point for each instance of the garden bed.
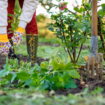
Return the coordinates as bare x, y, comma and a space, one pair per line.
89, 83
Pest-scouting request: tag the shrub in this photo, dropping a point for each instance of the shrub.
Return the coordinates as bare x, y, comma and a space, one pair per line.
72, 28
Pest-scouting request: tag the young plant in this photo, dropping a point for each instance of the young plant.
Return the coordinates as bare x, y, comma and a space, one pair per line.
72, 28
50, 75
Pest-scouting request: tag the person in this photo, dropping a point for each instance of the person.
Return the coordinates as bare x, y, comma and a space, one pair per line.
27, 21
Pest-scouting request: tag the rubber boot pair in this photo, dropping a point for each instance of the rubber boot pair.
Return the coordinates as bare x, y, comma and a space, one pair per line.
32, 45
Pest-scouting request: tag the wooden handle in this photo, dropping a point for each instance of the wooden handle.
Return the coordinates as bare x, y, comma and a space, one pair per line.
94, 18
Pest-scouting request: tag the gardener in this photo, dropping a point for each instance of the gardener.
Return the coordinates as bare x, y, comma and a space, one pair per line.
27, 21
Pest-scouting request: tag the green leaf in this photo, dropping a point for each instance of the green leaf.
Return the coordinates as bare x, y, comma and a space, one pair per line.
74, 74
71, 84
14, 75
23, 75
28, 82
4, 73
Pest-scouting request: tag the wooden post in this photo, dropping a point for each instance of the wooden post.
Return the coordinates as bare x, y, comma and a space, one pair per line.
94, 18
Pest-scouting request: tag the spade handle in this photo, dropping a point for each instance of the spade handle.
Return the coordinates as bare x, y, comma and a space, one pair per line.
94, 18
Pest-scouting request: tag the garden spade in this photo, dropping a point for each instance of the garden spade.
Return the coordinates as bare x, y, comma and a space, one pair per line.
94, 37
94, 61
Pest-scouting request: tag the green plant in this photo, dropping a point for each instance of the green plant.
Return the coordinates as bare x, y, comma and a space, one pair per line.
101, 29
50, 75
15, 17
72, 28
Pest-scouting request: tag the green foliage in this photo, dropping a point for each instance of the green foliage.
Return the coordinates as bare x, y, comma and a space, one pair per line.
97, 91
101, 29
44, 32
50, 75
72, 28
15, 17
41, 18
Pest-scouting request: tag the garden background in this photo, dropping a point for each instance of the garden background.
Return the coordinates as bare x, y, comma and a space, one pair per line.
64, 41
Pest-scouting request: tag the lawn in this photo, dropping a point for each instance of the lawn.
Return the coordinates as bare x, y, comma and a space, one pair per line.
35, 97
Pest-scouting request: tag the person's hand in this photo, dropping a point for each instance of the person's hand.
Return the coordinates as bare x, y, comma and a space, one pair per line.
4, 44
17, 38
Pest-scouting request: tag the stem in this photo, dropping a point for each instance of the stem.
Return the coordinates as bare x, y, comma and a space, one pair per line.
65, 38
67, 46
84, 33
73, 49
72, 12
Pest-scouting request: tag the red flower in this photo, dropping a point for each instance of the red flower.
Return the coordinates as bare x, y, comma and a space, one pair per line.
63, 6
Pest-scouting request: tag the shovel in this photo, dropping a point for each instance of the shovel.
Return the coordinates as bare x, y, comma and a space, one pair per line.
95, 61
94, 37
92, 60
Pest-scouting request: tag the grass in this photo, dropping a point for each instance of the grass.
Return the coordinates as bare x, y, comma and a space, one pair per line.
35, 97
43, 50
47, 51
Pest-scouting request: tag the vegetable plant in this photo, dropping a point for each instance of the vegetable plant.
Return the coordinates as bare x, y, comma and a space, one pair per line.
55, 74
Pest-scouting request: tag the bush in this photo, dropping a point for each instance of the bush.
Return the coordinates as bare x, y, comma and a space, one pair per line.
72, 28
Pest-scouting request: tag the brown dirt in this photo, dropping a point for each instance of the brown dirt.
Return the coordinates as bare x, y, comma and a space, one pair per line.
48, 44
91, 85
26, 59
